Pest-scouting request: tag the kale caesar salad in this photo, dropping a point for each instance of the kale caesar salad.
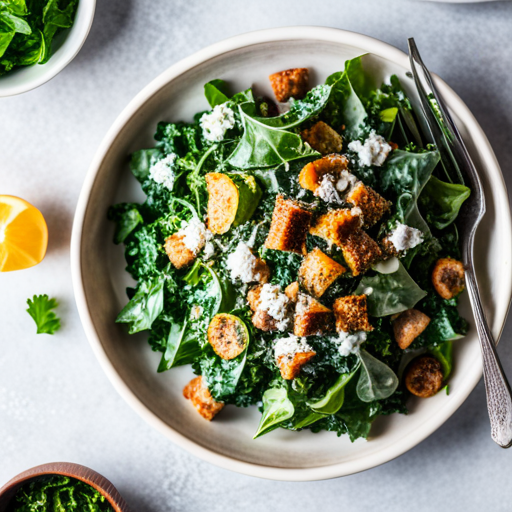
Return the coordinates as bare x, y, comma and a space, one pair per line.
299, 253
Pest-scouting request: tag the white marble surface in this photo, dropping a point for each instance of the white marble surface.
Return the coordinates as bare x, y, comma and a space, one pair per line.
55, 401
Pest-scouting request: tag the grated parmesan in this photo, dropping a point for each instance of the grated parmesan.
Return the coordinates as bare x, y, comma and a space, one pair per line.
374, 151
242, 264
349, 343
327, 189
290, 346
275, 304
195, 235
217, 123
346, 181
162, 171
404, 237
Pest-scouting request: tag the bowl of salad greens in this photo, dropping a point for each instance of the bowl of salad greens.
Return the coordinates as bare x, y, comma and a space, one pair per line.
266, 259
38, 39
60, 486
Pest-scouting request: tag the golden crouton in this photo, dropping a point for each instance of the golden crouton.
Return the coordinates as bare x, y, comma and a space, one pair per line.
448, 277
318, 272
424, 376
260, 319
311, 174
372, 204
408, 325
253, 297
179, 254
388, 248
227, 335
197, 392
292, 291
311, 317
322, 138
351, 314
292, 83
360, 252
290, 366
336, 225
289, 227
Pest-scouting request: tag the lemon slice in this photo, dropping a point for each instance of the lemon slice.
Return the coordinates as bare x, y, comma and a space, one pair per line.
23, 234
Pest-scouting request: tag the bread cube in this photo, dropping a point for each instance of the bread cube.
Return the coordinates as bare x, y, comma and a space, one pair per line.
290, 366
291, 83
311, 317
292, 291
312, 173
448, 277
336, 225
351, 314
408, 325
360, 252
197, 392
373, 205
318, 272
322, 138
289, 227
179, 254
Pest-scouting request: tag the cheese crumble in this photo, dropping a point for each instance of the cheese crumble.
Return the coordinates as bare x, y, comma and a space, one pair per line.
275, 304
162, 171
290, 346
242, 264
374, 151
217, 123
195, 235
349, 343
404, 237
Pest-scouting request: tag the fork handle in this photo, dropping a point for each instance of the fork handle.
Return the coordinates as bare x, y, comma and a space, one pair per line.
497, 388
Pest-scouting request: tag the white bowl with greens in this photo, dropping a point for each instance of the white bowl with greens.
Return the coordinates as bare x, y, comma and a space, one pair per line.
38, 40
100, 279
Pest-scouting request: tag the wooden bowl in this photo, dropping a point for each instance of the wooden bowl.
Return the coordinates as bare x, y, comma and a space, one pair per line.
86, 475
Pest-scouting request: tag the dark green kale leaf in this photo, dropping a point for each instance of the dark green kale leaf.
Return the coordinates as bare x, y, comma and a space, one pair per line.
127, 218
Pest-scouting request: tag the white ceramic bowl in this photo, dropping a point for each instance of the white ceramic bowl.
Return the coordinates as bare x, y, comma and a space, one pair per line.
100, 280
65, 47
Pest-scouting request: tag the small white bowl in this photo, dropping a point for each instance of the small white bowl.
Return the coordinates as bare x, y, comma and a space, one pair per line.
99, 276
66, 46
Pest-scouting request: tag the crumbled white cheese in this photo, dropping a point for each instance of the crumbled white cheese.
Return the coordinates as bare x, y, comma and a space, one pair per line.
291, 346
327, 189
209, 250
349, 343
242, 264
345, 181
368, 291
196, 312
404, 237
374, 151
217, 123
303, 304
275, 304
162, 171
195, 235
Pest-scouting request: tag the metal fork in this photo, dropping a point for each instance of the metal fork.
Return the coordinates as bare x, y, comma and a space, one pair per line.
459, 166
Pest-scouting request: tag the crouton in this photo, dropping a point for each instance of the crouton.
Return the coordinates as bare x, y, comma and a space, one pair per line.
424, 376
351, 314
408, 326
322, 138
227, 335
292, 83
360, 252
179, 254
372, 204
289, 227
253, 297
336, 225
448, 277
291, 365
197, 392
292, 291
318, 272
388, 248
311, 317
260, 319
311, 174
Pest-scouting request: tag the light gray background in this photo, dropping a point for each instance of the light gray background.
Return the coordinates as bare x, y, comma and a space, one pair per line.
56, 403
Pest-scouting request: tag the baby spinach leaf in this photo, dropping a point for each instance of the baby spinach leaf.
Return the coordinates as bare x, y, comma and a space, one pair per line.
142, 160
6, 36
442, 201
333, 400
402, 178
391, 293
144, 307
264, 146
127, 218
376, 381
18, 7
19, 25
216, 92
276, 409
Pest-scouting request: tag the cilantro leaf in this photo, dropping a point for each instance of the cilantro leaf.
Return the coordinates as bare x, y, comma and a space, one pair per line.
40, 309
